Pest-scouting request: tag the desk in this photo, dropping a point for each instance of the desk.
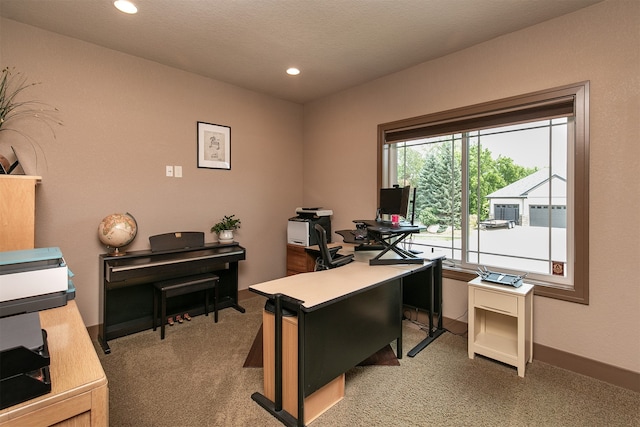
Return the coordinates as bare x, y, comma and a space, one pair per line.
343, 316
79, 395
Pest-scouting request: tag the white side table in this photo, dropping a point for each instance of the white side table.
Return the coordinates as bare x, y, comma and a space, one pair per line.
501, 323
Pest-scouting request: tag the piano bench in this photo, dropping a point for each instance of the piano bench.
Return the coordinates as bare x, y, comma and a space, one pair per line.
180, 286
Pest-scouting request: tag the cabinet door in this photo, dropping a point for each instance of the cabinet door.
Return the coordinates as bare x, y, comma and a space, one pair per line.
299, 260
17, 212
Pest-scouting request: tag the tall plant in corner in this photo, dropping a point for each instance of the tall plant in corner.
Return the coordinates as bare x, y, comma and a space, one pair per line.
12, 84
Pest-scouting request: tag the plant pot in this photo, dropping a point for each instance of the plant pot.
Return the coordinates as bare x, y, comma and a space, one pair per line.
225, 236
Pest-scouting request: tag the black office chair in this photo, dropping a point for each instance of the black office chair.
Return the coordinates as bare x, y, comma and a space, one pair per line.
330, 257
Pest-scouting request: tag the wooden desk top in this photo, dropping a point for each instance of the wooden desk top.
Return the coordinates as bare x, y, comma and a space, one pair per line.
323, 286
74, 365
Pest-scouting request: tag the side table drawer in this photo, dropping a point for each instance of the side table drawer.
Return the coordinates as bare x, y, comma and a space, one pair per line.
495, 301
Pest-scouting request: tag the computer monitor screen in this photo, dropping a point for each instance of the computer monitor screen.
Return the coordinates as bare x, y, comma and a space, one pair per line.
394, 201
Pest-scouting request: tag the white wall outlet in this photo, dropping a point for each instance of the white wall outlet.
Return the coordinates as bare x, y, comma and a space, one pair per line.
169, 171
177, 171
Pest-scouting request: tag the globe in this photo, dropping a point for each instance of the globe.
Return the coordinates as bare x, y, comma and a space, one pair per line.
116, 231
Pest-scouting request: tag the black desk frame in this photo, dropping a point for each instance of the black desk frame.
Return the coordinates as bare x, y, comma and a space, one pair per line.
333, 349
413, 295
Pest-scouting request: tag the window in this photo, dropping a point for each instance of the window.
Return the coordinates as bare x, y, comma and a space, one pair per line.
502, 185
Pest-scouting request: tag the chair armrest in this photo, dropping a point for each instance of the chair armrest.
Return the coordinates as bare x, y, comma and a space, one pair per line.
342, 260
334, 250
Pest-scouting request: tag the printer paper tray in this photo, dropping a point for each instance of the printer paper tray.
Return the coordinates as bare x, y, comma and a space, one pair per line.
24, 373
23, 387
37, 303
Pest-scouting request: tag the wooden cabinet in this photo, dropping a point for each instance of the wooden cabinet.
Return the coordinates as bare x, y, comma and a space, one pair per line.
79, 394
17, 212
299, 260
501, 323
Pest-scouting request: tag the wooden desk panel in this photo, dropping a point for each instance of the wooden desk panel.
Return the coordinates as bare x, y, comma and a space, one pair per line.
315, 404
79, 392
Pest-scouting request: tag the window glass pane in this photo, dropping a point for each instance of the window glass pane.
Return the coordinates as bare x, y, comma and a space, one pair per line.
514, 197
433, 167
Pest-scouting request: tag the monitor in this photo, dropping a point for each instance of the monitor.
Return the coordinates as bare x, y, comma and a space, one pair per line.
394, 201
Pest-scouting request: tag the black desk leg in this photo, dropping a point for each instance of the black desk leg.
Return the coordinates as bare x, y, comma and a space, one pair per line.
301, 373
399, 339
233, 268
278, 353
275, 408
436, 284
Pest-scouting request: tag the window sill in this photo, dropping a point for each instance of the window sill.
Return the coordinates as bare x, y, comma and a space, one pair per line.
568, 295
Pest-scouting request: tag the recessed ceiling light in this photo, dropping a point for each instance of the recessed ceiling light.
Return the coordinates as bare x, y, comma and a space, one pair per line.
125, 6
293, 71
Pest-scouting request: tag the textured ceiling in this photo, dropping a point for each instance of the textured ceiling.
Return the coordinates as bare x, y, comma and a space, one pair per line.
249, 43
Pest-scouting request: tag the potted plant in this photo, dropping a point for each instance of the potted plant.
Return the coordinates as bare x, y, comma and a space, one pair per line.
225, 227
14, 108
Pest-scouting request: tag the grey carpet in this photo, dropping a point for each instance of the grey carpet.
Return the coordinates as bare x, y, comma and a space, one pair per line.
195, 377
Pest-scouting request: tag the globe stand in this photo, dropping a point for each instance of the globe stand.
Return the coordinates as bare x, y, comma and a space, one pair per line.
116, 252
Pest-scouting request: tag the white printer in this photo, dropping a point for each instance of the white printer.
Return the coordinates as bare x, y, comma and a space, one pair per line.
33, 280
300, 229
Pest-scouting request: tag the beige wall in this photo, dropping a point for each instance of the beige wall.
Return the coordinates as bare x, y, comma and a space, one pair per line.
125, 118
600, 44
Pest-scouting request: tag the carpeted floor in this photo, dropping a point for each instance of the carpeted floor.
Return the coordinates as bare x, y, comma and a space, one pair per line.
195, 377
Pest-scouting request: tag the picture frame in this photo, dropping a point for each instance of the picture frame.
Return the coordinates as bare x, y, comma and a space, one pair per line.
214, 146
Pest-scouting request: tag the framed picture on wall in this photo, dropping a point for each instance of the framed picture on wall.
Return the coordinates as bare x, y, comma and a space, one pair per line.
214, 146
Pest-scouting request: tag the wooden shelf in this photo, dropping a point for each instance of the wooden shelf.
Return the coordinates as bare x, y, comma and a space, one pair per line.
504, 349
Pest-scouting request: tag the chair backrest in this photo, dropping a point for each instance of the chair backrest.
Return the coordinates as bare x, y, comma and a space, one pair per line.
327, 260
322, 243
